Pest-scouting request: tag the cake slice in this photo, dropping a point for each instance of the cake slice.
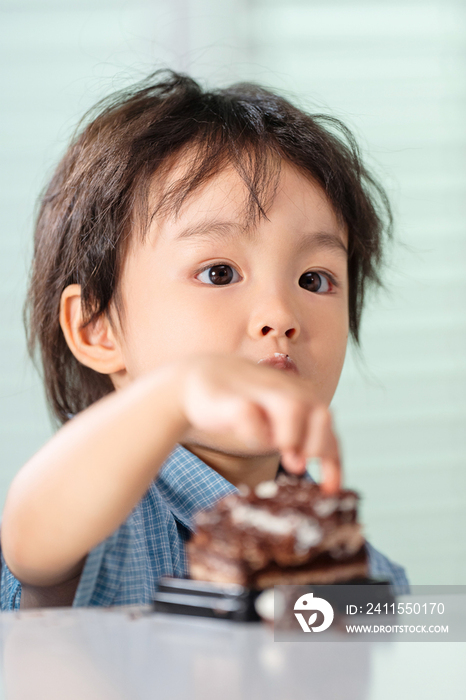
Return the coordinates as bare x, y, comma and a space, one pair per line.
283, 532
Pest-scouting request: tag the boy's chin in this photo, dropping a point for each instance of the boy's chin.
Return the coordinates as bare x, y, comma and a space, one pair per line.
225, 446
237, 463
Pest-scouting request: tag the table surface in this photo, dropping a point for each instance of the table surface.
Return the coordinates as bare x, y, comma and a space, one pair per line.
120, 654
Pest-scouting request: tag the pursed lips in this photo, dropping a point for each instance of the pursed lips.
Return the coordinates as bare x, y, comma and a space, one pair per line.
280, 361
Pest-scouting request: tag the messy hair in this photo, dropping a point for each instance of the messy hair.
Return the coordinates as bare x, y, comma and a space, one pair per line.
87, 213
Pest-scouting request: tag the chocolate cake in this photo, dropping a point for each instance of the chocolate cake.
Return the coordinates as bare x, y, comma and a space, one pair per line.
283, 532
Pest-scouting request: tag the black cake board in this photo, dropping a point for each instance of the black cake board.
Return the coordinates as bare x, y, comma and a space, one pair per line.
230, 601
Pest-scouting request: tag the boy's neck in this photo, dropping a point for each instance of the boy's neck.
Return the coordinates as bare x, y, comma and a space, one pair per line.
238, 469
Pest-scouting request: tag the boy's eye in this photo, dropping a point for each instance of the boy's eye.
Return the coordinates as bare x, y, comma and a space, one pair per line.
315, 282
218, 275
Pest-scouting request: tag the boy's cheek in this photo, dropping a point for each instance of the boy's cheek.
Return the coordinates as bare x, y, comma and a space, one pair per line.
327, 375
163, 338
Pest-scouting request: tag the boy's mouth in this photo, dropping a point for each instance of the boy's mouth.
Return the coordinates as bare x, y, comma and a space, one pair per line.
280, 361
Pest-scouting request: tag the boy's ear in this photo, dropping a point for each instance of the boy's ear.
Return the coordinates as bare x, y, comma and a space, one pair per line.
95, 344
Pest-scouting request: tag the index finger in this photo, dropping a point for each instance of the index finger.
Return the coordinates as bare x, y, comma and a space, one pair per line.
322, 443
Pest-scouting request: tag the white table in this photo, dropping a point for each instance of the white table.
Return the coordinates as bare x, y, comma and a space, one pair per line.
129, 654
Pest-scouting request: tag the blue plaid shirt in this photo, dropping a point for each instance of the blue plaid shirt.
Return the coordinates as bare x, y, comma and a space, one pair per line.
125, 568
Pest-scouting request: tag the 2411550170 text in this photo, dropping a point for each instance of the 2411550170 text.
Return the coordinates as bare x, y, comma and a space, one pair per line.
396, 608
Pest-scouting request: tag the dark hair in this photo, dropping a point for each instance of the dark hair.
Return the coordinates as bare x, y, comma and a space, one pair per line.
86, 214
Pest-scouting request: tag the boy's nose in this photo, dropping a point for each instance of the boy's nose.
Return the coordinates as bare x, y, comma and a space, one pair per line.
274, 318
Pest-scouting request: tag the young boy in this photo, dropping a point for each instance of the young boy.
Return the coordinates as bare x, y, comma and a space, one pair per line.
200, 258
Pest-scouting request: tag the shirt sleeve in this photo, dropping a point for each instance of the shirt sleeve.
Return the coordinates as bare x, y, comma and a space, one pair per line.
10, 589
113, 574
380, 567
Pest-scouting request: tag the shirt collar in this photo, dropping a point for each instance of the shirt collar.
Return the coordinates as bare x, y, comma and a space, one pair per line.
187, 484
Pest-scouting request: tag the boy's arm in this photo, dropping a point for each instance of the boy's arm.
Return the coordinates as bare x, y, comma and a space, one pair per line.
86, 480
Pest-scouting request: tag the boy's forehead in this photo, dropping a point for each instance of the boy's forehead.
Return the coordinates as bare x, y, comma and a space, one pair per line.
221, 206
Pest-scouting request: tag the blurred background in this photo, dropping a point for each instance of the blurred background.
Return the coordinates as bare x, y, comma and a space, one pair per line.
395, 73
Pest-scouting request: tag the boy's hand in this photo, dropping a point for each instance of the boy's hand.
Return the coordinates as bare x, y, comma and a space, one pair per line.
263, 409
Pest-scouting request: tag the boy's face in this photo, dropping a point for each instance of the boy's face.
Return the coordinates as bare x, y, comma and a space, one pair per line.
204, 282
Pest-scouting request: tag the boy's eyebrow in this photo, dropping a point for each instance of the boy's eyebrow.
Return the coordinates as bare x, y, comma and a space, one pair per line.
212, 229
329, 240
